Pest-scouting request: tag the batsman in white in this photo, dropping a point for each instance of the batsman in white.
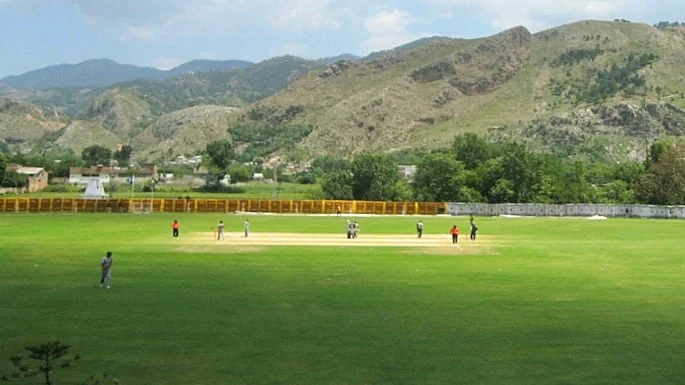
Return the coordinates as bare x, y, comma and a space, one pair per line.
106, 266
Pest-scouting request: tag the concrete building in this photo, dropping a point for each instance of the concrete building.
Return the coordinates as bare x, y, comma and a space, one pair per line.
407, 172
37, 177
102, 174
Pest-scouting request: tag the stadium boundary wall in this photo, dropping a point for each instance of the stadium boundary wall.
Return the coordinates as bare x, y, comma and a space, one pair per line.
57, 205
566, 210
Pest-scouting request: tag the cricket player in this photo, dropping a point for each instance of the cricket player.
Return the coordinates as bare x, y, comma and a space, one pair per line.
349, 229
220, 231
106, 266
419, 229
474, 231
175, 227
246, 224
455, 234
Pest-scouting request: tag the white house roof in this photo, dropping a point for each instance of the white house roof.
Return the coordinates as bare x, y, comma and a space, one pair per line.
29, 170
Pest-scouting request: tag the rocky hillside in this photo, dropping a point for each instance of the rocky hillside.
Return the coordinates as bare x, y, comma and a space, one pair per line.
232, 86
182, 132
184, 112
236, 87
569, 80
605, 88
22, 124
121, 111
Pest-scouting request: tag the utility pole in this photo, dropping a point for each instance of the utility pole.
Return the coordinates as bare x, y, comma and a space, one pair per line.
132, 181
111, 178
152, 198
276, 180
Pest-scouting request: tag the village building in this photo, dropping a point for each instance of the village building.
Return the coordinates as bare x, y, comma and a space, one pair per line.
37, 177
104, 174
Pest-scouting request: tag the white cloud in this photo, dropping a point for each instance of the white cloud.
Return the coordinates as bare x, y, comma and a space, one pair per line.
168, 18
389, 29
539, 14
167, 63
295, 49
139, 33
303, 15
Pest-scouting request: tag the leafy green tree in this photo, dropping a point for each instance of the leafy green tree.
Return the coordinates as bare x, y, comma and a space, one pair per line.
48, 354
261, 139
656, 149
522, 168
629, 172
239, 173
664, 181
59, 167
502, 191
95, 155
338, 185
617, 191
472, 150
485, 177
470, 194
565, 182
438, 178
14, 179
220, 154
375, 178
305, 177
3, 166
326, 164
406, 157
124, 154
403, 191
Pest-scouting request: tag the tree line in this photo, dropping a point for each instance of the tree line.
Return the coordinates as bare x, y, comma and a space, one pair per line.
58, 165
475, 170
472, 169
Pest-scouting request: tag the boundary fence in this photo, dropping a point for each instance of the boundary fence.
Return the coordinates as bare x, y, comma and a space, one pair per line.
62, 205
73, 205
566, 210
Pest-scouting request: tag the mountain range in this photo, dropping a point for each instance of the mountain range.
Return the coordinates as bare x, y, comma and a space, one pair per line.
590, 87
106, 72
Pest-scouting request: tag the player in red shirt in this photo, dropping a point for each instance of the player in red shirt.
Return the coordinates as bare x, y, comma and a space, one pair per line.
175, 227
455, 234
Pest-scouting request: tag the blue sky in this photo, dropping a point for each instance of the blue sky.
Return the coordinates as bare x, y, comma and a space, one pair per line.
165, 33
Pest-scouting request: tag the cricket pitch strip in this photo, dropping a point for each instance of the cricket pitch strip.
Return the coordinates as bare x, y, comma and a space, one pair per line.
434, 242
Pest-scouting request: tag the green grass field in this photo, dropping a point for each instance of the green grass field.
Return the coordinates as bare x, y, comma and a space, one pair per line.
548, 301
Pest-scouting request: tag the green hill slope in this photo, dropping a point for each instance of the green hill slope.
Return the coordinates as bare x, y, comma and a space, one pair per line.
78, 135
106, 72
603, 89
182, 132
121, 111
232, 87
22, 123
499, 85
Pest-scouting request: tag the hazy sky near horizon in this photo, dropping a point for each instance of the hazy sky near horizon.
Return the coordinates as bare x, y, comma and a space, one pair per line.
165, 33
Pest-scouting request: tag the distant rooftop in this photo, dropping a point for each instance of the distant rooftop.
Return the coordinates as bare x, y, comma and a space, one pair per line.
29, 170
